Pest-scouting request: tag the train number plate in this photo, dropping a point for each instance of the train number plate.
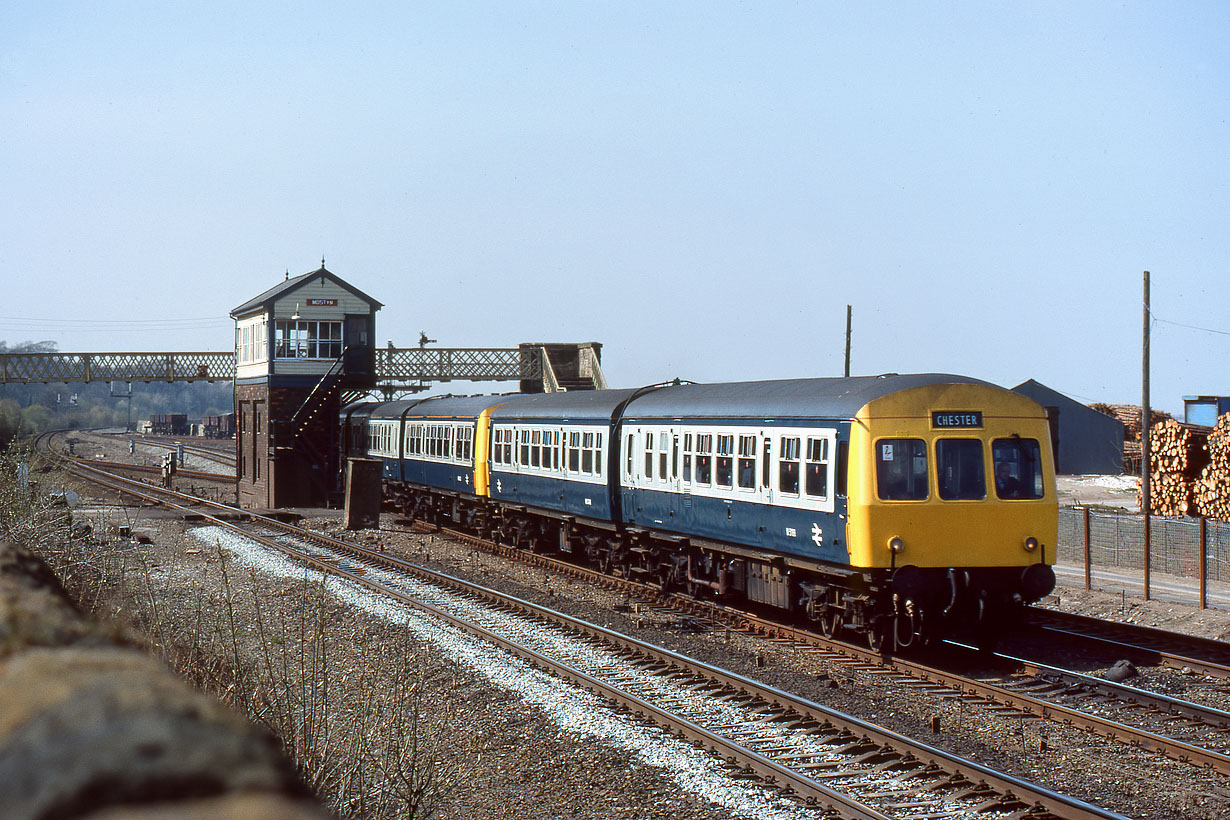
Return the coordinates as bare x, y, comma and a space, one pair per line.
956, 419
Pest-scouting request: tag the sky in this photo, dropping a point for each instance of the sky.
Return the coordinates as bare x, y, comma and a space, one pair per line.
702, 187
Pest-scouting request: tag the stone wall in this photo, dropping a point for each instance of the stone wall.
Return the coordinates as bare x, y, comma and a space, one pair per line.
90, 727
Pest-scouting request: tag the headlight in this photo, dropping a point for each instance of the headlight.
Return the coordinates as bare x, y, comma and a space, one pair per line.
1031, 544
896, 544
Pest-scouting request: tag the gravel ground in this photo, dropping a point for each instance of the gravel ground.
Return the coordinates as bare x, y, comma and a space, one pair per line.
499, 753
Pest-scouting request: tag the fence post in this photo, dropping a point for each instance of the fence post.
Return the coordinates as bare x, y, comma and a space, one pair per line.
1088, 561
1147, 555
1204, 562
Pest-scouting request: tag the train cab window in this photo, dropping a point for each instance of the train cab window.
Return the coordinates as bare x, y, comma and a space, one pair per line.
747, 462
959, 469
901, 469
816, 484
724, 472
788, 466
1018, 468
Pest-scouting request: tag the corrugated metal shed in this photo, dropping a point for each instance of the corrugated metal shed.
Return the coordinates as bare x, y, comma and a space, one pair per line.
1085, 441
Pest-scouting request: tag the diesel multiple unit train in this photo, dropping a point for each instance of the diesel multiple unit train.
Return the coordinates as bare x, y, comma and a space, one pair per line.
901, 507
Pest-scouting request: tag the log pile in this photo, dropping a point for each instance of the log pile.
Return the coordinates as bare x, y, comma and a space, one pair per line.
1176, 456
1211, 491
1129, 414
1190, 469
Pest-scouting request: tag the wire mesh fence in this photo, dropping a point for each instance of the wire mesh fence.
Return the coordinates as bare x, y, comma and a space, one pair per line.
1110, 548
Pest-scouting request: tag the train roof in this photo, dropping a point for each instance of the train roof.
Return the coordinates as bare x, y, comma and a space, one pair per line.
578, 405
439, 406
781, 399
836, 398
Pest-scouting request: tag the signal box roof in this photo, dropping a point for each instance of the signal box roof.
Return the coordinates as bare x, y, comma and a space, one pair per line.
265, 300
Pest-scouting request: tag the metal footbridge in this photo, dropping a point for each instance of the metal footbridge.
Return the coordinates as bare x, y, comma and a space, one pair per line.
398, 370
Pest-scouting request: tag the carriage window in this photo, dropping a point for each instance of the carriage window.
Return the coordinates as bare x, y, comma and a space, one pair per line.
959, 469
817, 469
587, 453
675, 457
901, 469
766, 468
649, 455
663, 454
725, 460
574, 453
704, 458
788, 468
1018, 468
687, 457
747, 462
535, 448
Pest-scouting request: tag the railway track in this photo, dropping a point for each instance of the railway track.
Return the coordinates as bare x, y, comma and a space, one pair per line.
1183, 731
819, 757
1140, 644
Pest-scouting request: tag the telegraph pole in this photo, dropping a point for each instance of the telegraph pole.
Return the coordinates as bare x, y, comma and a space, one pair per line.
1144, 433
848, 317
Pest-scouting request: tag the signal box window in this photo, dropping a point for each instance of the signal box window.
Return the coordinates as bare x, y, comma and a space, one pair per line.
1018, 468
960, 472
305, 339
901, 469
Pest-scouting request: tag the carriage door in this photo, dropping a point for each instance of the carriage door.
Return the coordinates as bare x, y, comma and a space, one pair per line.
766, 466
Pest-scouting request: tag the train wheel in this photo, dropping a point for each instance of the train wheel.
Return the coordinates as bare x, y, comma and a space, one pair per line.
879, 634
830, 622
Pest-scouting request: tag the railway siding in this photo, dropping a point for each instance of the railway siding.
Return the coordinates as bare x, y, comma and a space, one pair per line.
88, 723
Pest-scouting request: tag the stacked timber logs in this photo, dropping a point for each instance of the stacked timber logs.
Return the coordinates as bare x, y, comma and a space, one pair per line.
1176, 456
1190, 469
1211, 492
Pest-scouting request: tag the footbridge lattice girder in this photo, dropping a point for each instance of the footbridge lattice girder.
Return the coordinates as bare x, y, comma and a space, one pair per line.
396, 368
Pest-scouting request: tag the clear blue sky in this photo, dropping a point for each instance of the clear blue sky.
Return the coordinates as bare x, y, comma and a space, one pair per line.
702, 187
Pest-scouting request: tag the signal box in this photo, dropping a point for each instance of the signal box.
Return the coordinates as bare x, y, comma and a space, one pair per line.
299, 347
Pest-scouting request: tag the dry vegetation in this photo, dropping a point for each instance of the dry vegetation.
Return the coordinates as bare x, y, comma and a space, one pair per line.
347, 697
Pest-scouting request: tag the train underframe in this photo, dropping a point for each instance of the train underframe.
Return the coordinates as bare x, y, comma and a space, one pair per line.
907, 607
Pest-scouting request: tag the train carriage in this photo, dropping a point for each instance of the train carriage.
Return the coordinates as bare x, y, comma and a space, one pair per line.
900, 507
435, 454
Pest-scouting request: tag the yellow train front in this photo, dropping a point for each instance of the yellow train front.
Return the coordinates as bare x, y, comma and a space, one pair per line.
951, 510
